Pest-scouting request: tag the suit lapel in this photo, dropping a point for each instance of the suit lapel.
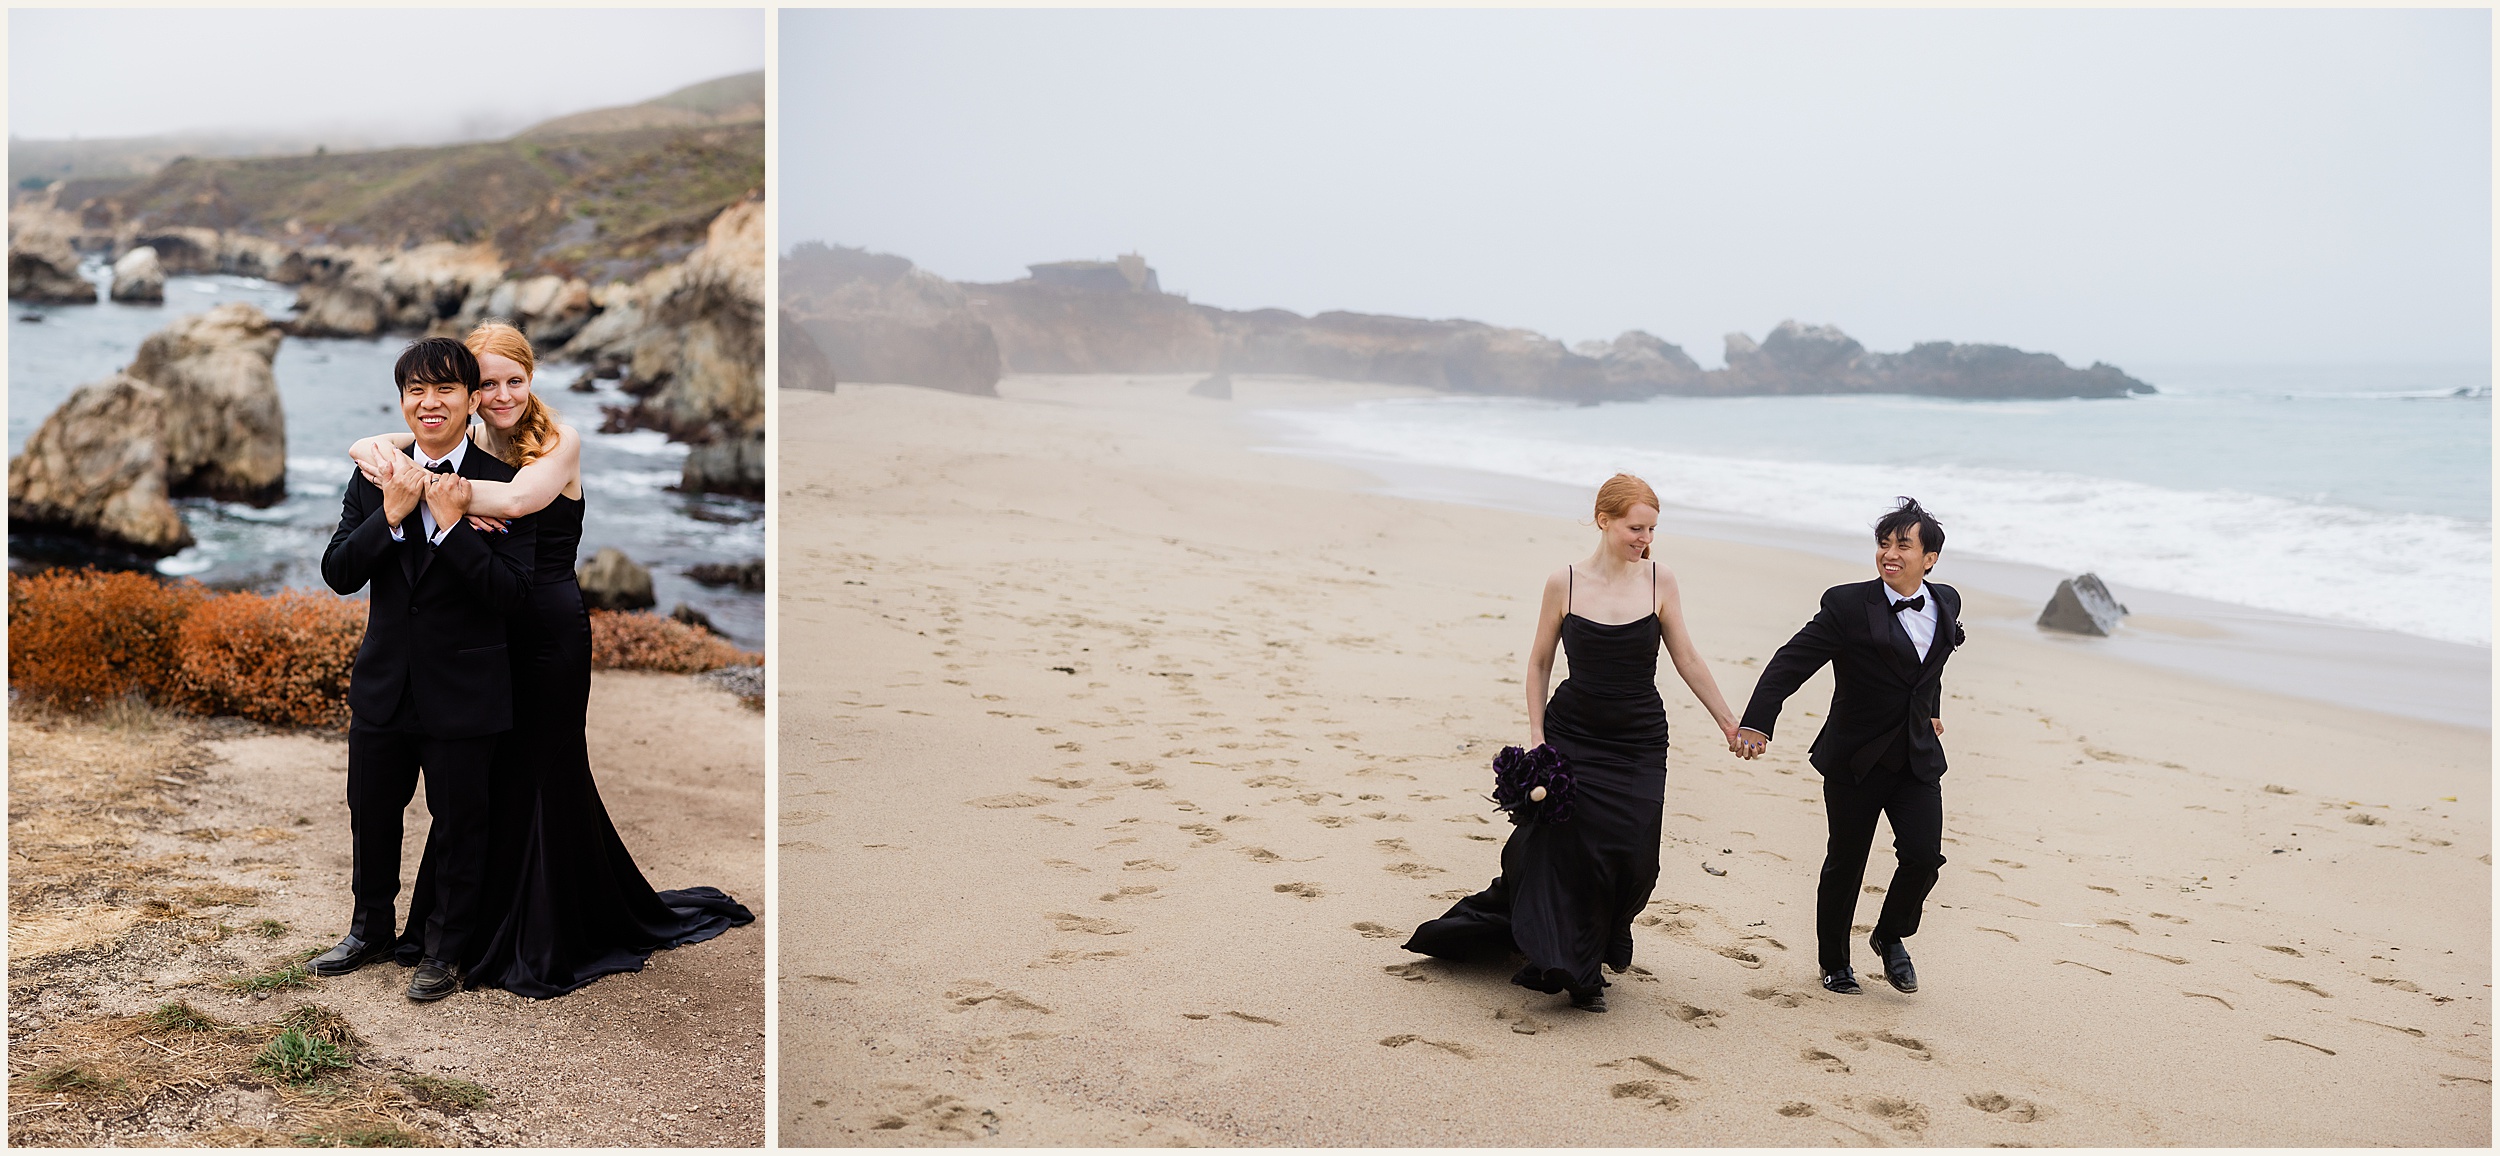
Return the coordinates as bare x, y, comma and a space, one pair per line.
1943, 645
1886, 626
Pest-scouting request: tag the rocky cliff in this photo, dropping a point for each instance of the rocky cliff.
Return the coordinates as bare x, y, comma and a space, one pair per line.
195, 413
883, 319
691, 341
43, 267
879, 318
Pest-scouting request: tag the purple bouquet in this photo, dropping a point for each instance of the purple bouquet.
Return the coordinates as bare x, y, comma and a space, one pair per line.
1516, 776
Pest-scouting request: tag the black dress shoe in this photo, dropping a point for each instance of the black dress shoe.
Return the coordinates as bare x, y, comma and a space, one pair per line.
350, 954
1842, 982
1589, 1001
434, 980
1897, 967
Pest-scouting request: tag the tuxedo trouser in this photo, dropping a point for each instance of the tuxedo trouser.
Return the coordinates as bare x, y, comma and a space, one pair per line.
383, 765
1916, 808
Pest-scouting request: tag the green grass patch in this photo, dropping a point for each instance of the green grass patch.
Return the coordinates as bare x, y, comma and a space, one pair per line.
284, 978
321, 1023
180, 1016
296, 1058
384, 1136
70, 1078
442, 1093
270, 929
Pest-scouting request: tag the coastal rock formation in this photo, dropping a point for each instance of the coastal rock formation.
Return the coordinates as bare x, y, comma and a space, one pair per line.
881, 318
362, 291
44, 269
137, 277
803, 365
691, 340
2082, 605
1821, 359
612, 581
195, 413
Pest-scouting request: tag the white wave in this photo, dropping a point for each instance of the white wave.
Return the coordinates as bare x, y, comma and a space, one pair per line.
2420, 574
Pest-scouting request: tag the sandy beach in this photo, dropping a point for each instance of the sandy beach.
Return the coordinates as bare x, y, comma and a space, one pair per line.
1119, 757
158, 858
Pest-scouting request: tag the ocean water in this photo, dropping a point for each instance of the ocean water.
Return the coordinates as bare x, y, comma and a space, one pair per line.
2351, 495
338, 390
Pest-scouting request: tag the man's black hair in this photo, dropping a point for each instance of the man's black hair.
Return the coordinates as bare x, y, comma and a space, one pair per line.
1911, 514
438, 360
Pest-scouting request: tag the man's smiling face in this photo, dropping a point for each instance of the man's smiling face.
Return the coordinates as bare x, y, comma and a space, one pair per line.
437, 412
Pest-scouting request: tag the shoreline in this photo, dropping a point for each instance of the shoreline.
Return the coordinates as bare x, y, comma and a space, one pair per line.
1142, 750
2387, 671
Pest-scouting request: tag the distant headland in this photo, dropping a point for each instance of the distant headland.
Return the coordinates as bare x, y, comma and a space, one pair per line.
876, 317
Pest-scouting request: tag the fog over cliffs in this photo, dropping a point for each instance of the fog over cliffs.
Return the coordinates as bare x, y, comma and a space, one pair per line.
880, 318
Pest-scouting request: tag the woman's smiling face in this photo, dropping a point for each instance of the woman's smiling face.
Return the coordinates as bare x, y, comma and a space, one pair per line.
503, 394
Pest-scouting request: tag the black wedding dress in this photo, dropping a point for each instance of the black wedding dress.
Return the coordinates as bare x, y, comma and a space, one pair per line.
567, 902
1569, 890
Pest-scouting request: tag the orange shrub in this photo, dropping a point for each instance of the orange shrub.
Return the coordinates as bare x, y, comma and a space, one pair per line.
280, 658
627, 640
84, 637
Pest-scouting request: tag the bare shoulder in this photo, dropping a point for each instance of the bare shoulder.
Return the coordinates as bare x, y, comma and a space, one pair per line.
566, 436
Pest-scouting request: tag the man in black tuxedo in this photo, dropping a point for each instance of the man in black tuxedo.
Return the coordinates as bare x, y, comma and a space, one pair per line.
431, 689
1881, 749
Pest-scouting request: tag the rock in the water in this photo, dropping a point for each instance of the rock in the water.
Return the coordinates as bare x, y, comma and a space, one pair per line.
2082, 606
694, 618
137, 277
803, 363
883, 319
364, 291
692, 339
747, 575
1821, 359
612, 581
1218, 385
196, 413
44, 269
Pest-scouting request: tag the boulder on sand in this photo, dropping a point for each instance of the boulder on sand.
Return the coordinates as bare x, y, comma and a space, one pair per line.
43, 269
2082, 606
612, 581
196, 413
137, 277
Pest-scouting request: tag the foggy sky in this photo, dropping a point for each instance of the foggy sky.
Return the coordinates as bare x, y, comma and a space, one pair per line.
2129, 186
409, 76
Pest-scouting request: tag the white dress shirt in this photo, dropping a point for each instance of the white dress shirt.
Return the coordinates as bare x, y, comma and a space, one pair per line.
1919, 623
460, 452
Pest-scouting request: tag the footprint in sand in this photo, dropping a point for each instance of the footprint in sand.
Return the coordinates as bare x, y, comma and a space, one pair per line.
1795, 1108
1246, 1017
2302, 984
1649, 1093
1650, 1063
1462, 1051
1129, 893
1741, 956
1393, 846
1006, 802
974, 993
1261, 855
1305, 890
1775, 997
1087, 924
1698, 1017
1413, 870
1826, 1061
2290, 951
1520, 1021
1449, 896
1901, 1114
2004, 1107
1147, 865
1373, 930
1069, 958
1410, 972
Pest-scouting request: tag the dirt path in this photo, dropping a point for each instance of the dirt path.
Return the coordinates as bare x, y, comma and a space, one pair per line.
159, 862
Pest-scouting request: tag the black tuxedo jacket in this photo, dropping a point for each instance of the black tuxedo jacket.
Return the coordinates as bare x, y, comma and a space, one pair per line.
1880, 689
436, 616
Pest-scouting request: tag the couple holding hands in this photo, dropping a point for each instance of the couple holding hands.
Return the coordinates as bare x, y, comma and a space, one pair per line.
474, 674
1572, 880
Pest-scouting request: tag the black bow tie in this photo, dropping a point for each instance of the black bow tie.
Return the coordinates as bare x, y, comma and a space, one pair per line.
441, 467
1918, 603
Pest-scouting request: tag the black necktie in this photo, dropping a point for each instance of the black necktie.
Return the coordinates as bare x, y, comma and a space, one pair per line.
441, 467
1918, 603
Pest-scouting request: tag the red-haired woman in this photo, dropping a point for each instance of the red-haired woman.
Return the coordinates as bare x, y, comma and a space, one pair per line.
1570, 885
564, 900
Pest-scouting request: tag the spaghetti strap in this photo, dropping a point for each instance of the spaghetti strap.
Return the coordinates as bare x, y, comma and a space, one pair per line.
1570, 582
1653, 587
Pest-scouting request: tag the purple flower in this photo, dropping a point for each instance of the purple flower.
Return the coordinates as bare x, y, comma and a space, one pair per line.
1517, 773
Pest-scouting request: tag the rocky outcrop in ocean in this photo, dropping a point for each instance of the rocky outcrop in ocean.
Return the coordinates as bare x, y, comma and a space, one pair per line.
690, 338
195, 413
43, 268
881, 318
138, 278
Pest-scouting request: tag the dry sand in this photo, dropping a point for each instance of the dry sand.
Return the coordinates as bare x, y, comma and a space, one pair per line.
154, 890
1119, 759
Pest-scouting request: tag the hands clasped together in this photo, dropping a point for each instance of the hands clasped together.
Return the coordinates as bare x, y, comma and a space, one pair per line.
405, 485
1747, 743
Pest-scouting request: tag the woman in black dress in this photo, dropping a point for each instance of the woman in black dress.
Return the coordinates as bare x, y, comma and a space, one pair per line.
566, 902
1569, 889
